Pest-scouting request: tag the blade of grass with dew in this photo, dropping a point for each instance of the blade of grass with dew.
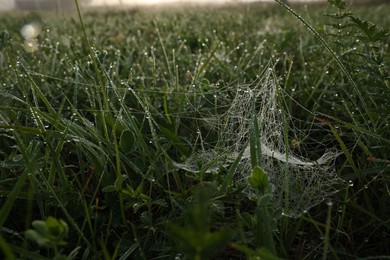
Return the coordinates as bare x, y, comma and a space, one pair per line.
228, 179
118, 172
254, 137
345, 150
103, 90
12, 196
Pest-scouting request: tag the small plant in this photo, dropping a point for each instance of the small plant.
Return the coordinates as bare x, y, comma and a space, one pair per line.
195, 240
264, 222
50, 234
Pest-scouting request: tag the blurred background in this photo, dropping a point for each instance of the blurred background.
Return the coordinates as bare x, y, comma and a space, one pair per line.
46, 5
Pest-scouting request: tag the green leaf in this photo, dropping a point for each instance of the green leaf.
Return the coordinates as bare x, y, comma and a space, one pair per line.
110, 188
48, 233
118, 184
119, 181
371, 31
36, 237
176, 140
259, 180
264, 199
41, 227
126, 141
58, 229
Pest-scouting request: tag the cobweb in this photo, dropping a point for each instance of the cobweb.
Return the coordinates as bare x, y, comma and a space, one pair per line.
298, 183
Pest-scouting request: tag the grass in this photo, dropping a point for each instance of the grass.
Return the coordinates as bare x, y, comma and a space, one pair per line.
94, 123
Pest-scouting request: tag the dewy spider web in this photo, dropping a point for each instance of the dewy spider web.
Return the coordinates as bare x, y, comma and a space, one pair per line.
297, 182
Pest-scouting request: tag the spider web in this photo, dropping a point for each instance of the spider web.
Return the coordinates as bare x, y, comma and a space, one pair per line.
298, 183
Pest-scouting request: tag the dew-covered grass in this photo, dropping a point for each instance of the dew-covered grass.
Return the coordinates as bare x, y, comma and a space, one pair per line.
115, 126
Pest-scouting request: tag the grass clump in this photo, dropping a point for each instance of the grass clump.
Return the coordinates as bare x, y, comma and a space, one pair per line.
116, 138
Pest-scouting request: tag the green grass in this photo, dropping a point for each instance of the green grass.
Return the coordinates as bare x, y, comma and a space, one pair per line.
94, 123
